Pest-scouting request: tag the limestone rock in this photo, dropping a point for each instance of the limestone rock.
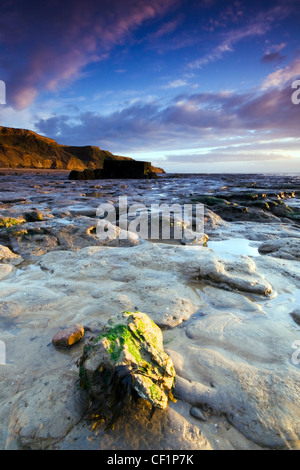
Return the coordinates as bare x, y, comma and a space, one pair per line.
127, 357
7, 256
44, 414
38, 238
286, 248
5, 270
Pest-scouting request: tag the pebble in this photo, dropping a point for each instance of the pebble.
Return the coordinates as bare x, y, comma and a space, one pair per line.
68, 336
197, 413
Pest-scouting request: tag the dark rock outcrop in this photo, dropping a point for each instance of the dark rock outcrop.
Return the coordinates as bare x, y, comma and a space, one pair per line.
117, 170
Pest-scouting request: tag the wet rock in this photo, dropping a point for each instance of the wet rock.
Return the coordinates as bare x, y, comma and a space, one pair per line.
127, 358
68, 336
212, 221
177, 359
62, 214
8, 257
286, 248
192, 238
111, 235
162, 289
239, 274
259, 207
32, 240
221, 334
15, 198
197, 413
43, 415
5, 270
36, 239
248, 402
33, 216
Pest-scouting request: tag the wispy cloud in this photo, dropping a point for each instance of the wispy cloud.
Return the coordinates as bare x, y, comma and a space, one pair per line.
227, 45
176, 84
228, 15
259, 26
53, 41
229, 155
165, 29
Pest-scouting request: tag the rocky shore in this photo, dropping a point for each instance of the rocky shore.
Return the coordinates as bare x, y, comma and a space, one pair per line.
228, 307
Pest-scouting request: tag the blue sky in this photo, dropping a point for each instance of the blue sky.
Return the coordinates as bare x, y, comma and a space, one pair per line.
192, 86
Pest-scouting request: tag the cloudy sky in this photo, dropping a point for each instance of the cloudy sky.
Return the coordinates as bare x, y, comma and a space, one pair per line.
191, 85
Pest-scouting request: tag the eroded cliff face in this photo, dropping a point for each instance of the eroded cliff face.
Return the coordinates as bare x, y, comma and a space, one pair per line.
21, 148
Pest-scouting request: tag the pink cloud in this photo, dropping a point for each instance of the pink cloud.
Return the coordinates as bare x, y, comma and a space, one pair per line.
282, 76
25, 96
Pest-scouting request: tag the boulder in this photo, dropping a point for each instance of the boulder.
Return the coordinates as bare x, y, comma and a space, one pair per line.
33, 216
127, 360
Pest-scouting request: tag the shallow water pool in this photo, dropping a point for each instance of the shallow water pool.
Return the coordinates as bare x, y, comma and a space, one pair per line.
235, 246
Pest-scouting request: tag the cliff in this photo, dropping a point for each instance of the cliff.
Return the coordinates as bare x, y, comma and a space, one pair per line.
21, 148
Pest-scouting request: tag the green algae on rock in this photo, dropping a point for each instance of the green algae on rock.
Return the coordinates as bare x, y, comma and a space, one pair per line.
7, 222
127, 358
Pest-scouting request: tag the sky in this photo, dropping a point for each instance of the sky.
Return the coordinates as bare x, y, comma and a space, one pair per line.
190, 85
